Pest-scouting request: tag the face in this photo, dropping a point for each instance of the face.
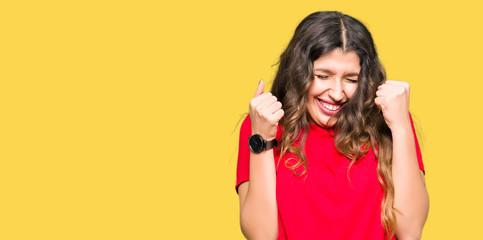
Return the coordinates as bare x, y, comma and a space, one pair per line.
335, 82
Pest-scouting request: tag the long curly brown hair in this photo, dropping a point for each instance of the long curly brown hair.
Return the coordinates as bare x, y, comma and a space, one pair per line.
360, 124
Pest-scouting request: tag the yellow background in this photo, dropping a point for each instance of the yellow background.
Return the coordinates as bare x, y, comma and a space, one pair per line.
117, 117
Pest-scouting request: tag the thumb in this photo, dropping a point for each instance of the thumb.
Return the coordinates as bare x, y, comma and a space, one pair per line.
261, 86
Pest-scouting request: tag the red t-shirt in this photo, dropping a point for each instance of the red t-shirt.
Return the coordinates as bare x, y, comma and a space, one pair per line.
323, 203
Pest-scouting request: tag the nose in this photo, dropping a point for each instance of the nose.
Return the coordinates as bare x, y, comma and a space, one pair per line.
336, 92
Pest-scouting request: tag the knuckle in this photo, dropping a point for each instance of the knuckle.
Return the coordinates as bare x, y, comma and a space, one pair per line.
274, 120
401, 90
252, 102
253, 107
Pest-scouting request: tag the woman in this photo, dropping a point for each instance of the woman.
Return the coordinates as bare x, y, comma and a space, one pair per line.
330, 152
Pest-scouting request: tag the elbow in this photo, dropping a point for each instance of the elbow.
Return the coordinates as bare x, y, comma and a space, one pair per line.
410, 224
260, 235
415, 235
409, 234
412, 229
254, 229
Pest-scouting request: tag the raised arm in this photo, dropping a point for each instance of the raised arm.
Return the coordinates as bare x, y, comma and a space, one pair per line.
411, 196
258, 203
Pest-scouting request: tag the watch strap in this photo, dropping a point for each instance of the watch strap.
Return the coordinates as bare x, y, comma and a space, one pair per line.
270, 144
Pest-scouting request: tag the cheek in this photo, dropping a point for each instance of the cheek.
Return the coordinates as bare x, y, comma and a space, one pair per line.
311, 106
312, 90
317, 88
351, 90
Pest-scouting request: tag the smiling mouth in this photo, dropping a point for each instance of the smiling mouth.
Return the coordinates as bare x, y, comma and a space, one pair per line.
331, 107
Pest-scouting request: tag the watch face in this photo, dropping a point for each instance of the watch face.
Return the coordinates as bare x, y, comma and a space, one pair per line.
256, 143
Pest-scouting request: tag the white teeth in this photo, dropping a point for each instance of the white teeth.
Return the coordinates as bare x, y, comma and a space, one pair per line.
330, 106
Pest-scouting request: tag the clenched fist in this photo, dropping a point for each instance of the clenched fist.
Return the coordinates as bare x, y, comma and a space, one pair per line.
392, 98
265, 112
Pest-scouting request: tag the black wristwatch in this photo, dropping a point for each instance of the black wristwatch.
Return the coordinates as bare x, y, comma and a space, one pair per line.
257, 144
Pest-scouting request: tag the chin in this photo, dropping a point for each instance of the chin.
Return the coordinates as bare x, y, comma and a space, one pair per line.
329, 123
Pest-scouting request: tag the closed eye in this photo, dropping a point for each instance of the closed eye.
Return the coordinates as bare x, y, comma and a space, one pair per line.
352, 80
322, 76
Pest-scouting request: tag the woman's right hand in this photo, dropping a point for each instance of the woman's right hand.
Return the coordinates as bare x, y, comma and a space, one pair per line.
265, 112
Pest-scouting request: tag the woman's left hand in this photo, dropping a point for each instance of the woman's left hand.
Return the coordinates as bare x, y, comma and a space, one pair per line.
392, 98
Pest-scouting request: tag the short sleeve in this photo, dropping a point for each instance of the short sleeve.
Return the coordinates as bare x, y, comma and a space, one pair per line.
418, 150
243, 165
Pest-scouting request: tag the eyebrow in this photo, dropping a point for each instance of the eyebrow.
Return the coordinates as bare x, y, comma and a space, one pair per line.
352, 74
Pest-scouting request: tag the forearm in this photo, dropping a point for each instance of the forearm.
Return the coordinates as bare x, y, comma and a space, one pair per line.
259, 213
411, 196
